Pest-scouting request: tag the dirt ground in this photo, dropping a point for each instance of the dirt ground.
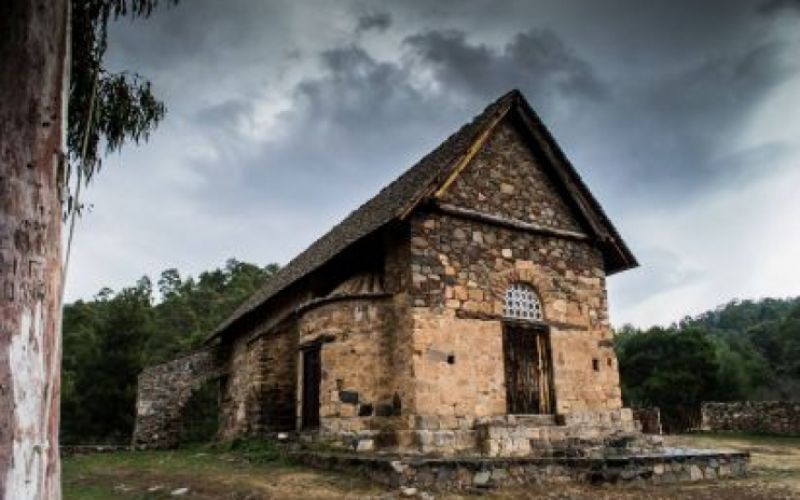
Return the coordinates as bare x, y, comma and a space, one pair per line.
775, 474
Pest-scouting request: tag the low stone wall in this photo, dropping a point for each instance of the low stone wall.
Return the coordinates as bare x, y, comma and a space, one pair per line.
772, 417
477, 473
163, 390
502, 435
649, 419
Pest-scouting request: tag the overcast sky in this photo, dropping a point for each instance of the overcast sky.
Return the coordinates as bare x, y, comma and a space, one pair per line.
682, 116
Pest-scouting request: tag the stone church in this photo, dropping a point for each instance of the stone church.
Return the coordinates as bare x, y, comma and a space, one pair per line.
462, 309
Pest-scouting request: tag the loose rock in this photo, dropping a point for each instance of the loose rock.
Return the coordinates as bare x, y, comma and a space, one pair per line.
408, 492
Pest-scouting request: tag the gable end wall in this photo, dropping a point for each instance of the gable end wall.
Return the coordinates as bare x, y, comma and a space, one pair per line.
506, 179
462, 267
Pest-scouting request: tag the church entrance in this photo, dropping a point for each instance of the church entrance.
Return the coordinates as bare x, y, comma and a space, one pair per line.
526, 352
528, 368
312, 376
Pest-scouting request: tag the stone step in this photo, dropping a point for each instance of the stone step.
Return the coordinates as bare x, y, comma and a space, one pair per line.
526, 421
534, 420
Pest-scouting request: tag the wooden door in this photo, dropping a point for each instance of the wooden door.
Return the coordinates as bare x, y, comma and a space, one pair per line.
312, 375
527, 369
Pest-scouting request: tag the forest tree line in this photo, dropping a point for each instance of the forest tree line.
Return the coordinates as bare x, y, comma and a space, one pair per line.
741, 350
109, 339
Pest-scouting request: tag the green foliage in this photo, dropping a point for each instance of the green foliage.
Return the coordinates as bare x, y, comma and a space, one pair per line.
108, 340
675, 368
258, 451
104, 107
742, 350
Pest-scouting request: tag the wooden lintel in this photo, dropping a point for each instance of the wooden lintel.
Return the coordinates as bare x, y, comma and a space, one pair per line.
521, 225
310, 304
558, 325
325, 338
437, 190
471, 152
520, 323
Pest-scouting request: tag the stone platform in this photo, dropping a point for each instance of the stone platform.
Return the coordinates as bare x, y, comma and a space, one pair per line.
586, 434
480, 472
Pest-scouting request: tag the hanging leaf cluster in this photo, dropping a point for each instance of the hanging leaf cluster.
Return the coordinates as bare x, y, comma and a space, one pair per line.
106, 109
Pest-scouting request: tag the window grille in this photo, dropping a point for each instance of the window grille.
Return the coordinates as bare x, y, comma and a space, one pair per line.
522, 303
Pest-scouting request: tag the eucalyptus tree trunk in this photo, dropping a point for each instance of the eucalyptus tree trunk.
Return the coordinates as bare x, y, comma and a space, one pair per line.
33, 88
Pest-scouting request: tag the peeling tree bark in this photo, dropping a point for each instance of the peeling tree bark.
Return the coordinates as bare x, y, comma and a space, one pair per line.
33, 70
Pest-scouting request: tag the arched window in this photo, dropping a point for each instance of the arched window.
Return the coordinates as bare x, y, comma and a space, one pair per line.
522, 303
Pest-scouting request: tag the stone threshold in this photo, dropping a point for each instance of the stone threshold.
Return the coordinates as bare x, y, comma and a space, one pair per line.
471, 472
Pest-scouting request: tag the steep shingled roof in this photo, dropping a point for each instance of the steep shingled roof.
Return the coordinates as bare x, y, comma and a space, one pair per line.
404, 193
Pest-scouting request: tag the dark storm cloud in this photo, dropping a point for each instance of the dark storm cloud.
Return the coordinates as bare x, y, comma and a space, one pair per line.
361, 121
673, 119
379, 21
209, 33
777, 6
356, 124
358, 112
671, 114
675, 123
536, 60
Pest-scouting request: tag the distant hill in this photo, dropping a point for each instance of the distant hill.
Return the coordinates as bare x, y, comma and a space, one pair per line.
738, 316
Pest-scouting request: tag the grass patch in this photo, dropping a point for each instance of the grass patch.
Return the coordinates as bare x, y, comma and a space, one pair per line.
237, 469
130, 474
750, 437
255, 451
766, 443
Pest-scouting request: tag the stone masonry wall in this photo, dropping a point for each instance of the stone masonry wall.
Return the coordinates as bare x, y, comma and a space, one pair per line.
357, 355
773, 417
479, 475
238, 391
259, 393
505, 179
458, 365
273, 384
397, 278
462, 267
162, 392
461, 270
